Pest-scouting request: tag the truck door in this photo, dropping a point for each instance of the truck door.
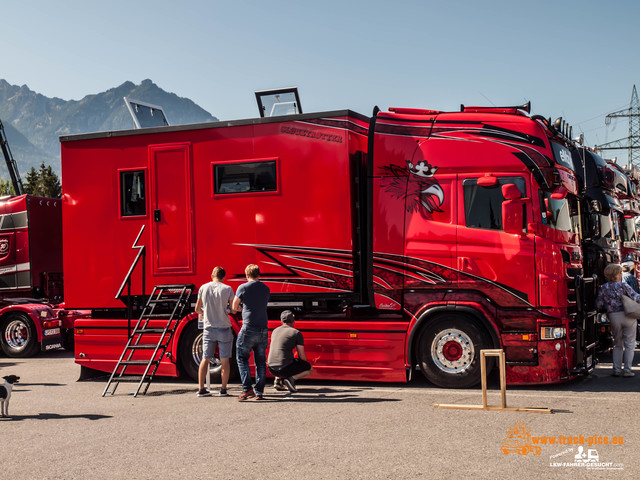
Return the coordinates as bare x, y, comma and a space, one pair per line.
171, 219
489, 260
430, 231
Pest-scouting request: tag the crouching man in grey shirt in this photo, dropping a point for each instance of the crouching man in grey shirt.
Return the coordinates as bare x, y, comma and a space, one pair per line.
282, 364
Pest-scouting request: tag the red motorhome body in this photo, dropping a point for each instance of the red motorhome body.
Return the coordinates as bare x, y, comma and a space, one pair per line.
387, 238
30, 268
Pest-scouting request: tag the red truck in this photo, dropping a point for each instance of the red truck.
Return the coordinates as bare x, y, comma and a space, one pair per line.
30, 269
630, 244
408, 240
30, 274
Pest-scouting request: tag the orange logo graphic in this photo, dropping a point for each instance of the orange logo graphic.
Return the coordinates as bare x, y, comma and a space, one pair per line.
518, 440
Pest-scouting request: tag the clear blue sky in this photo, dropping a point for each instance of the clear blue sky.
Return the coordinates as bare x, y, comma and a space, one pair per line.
576, 59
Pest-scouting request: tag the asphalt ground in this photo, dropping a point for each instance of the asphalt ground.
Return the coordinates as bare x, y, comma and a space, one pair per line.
62, 428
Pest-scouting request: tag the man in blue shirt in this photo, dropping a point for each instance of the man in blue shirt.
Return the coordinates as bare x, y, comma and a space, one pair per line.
254, 334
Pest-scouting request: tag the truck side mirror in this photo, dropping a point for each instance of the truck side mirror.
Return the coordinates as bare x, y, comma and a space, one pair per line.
512, 211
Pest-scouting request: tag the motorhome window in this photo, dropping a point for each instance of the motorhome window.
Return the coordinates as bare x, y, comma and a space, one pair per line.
483, 205
245, 177
132, 193
558, 214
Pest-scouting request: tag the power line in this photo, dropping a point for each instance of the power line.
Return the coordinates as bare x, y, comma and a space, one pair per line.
632, 142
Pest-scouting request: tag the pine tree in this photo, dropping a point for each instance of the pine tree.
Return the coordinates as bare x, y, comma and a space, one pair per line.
43, 182
50, 182
31, 184
6, 187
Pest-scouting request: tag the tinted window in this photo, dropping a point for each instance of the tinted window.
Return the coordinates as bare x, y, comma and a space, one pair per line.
629, 230
483, 205
562, 154
245, 177
559, 214
606, 226
132, 193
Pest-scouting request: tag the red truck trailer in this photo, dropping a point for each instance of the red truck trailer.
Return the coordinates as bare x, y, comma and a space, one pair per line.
409, 240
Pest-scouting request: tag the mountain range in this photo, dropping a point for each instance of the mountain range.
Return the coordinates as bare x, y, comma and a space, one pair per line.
33, 122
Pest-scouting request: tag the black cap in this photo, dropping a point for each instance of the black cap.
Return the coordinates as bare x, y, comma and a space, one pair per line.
287, 316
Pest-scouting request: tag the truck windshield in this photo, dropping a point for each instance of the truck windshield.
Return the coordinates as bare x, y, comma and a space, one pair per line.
558, 214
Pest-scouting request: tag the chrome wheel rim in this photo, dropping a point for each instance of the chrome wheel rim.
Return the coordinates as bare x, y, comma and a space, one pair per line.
452, 351
17, 335
196, 352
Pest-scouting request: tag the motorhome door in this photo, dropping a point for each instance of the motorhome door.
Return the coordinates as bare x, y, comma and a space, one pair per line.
171, 219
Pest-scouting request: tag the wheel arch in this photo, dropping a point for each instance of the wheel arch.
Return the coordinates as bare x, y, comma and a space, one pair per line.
31, 313
31, 318
177, 337
432, 313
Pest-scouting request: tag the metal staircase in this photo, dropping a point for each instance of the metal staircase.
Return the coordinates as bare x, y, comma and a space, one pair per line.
166, 302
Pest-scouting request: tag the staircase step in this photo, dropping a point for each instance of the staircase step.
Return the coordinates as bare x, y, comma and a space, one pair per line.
145, 346
157, 315
138, 362
152, 301
151, 330
131, 379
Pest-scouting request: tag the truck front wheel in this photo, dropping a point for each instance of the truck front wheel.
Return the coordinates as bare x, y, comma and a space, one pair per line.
191, 355
19, 337
449, 351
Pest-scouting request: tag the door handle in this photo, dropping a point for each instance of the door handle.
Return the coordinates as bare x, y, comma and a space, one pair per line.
157, 216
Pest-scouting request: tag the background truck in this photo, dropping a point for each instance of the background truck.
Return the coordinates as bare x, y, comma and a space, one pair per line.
628, 197
408, 240
601, 187
30, 268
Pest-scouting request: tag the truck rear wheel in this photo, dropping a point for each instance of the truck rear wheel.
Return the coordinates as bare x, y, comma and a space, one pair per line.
191, 355
19, 336
449, 351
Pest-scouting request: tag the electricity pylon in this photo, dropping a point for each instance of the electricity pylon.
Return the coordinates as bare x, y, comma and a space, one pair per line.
632, 142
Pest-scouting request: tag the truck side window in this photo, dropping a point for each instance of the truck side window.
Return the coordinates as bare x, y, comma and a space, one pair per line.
246, 177
132, 193
483, 205
560, 214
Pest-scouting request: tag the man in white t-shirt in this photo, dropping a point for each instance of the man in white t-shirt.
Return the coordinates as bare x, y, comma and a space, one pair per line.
213, 299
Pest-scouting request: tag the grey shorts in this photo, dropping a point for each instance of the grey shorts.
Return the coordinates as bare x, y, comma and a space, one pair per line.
220, 337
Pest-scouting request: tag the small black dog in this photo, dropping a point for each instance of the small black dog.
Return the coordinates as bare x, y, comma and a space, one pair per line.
5, 393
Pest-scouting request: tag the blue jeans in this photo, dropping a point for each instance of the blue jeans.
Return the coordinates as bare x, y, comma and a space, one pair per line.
255, 340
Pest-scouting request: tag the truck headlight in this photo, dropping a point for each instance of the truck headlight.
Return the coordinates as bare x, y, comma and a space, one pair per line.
552, 333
